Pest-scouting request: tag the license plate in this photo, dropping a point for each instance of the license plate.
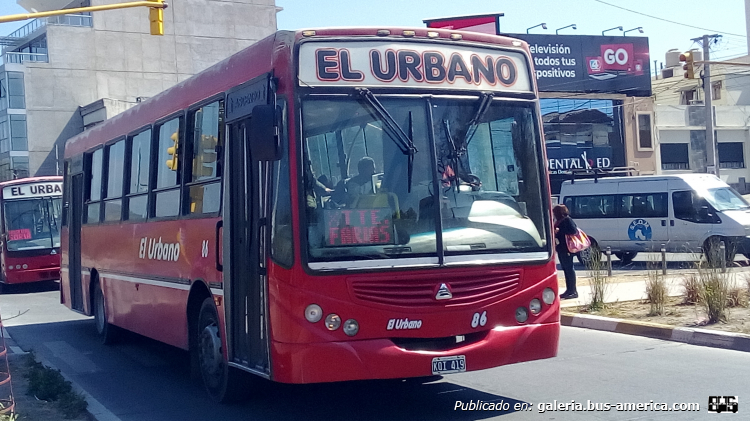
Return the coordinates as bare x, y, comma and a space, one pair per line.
447, 365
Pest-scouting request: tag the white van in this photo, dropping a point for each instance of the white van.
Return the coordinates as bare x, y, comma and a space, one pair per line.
685, 213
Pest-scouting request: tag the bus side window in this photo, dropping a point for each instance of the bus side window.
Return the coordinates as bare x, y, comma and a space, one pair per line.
140, 171
168, 166
115, 172
204, 184
94, 181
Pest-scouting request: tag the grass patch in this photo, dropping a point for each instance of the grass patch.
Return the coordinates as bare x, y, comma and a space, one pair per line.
49, 385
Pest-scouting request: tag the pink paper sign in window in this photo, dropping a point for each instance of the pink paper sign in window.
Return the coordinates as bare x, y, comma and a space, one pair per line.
22, 234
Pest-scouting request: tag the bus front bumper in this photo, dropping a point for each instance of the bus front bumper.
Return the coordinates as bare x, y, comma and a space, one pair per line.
382, 359
22, 276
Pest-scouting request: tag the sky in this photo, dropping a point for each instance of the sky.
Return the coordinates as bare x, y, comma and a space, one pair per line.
693, 18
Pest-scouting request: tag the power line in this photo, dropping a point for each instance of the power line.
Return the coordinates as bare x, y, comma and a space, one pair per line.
670, 21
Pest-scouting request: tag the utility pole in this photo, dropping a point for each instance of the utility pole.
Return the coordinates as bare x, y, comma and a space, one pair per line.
712, 152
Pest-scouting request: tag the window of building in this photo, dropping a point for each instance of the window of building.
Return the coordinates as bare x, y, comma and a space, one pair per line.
3, 92
204, 188
167, 189
4, 135
140, 166
16, 91
20, 166
18, 138
674, 156
731, 155
115, 172
645, 130
688, 96
94, 171
716, 90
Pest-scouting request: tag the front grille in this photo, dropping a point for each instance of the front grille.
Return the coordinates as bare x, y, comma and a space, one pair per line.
439, 344
421, 291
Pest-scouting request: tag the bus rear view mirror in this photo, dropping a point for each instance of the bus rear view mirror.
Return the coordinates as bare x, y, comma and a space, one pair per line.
265, 144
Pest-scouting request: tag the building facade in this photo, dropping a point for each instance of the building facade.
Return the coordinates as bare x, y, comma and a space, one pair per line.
63, 73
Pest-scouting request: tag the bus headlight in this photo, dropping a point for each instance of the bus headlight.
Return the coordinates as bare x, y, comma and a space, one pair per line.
351, 327
548, 296
522, 314
25, 266
333, 321
535, 306
313, 313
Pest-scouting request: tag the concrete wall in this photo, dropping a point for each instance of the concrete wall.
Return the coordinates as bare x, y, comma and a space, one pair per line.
119, 60
643, 159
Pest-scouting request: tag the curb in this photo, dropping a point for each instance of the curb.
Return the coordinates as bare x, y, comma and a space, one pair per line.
691, 336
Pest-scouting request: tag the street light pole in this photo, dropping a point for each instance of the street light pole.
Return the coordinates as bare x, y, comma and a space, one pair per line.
711, 149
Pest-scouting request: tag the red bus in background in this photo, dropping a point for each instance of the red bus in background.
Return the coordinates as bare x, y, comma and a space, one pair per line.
30, 231
324, 205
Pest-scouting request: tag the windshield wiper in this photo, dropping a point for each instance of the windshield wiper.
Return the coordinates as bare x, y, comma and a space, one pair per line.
484, 104
402, 140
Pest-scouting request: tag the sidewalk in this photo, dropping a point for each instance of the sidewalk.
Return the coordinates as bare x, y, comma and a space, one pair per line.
631, 287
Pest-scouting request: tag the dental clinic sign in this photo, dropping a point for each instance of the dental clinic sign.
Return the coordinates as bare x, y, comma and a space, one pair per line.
407, 64
594, 64
563, 160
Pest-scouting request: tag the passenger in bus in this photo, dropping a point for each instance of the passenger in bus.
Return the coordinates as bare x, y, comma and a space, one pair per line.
315, 190
347, 191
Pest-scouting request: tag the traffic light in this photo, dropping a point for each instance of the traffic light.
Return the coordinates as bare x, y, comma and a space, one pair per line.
156, 16
172, 151
689, 66
205, 158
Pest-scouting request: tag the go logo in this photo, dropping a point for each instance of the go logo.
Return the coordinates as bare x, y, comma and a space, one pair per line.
620, 56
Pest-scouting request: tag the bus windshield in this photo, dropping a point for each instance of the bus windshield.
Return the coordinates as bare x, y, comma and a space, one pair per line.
33, 223
463, 177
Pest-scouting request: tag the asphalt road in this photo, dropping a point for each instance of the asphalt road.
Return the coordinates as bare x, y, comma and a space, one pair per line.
143, 380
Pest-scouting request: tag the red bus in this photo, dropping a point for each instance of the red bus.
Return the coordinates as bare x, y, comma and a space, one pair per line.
324, 205
30, 231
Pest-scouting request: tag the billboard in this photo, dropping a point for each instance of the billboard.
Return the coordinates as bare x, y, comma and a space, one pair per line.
591, 64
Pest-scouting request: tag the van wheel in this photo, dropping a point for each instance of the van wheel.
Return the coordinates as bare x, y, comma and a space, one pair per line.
108, 333
592, 256
712, 247
223, 383
626, 256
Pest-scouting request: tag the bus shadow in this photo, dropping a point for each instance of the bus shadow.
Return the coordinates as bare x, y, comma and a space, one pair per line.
139, 377
30, 287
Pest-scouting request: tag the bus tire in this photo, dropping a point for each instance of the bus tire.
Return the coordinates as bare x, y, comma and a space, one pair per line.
109, 333
223, 383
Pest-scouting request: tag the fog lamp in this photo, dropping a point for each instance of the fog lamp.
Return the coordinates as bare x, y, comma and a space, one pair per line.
351, 327
522, 314
535, 306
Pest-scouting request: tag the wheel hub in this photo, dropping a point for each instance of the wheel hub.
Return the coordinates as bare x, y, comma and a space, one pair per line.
211, 349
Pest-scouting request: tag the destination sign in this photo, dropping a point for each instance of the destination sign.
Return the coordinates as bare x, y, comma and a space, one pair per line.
347, 227
413, 65
53, 188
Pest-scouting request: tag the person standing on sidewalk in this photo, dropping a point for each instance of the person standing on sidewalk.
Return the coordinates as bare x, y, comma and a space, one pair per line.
564, 225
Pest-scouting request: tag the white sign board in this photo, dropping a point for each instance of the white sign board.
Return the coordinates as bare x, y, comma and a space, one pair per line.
22, 191
412, 65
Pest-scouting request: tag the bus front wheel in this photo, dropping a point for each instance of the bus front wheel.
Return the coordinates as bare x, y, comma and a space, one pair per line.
106, 331
223, 383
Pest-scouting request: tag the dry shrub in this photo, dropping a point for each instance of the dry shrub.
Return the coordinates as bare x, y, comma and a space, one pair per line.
713, 293
691, 288
737, 297
599, 282
656, 290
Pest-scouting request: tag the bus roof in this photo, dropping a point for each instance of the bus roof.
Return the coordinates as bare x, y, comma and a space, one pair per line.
245, 65
29, 180
691, 179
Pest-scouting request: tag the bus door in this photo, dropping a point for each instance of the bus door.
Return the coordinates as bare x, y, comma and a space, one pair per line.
246, 310
74, 239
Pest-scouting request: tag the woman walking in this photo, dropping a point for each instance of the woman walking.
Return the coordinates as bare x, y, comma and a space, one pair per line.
564, 225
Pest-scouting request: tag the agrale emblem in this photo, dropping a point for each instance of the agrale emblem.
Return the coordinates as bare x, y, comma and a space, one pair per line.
443, 293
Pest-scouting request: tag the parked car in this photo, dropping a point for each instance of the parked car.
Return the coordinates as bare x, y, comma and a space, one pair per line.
683, 213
